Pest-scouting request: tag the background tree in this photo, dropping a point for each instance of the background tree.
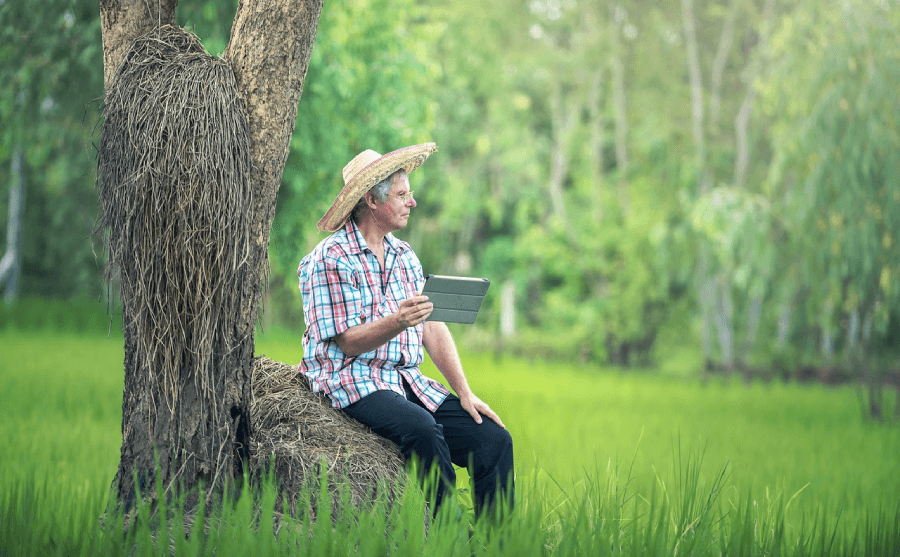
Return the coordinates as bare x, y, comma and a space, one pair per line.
50, 71
722, 283
829, 91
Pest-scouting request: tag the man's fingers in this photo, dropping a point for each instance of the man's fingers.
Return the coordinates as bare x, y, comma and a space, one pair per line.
477, 407
425, 309
422, 314
415, 310
492, 415
414, 301
473, 412
496, 419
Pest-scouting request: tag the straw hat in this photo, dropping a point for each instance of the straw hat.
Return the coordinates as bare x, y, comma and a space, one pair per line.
364, 172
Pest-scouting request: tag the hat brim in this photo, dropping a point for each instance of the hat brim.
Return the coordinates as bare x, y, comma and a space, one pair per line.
356, 186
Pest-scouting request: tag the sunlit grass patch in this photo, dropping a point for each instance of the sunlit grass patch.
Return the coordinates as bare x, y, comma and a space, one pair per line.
784, 468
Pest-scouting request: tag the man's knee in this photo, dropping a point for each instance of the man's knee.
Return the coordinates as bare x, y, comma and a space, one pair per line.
494, 458
504, 439
500, 441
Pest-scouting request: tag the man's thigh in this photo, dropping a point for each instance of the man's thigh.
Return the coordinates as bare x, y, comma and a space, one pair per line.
466, 437
390, 415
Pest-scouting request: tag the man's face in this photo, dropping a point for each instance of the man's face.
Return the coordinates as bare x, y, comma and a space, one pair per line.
393, 214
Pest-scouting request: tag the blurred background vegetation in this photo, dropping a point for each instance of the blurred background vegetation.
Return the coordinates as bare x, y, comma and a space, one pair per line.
692, 186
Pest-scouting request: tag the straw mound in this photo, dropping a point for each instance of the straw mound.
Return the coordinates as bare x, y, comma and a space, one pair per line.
298, 429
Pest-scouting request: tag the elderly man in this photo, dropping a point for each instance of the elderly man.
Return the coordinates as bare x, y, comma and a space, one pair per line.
366, 327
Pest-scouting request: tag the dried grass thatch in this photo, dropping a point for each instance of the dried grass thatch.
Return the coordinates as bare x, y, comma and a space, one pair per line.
299, 429
174, 178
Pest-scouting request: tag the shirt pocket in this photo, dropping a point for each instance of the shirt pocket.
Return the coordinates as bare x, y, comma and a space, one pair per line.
403, 286
390, 303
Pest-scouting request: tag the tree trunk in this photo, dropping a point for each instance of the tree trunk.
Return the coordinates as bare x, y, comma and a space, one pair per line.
741, 144
827, 343
706, 283
694, 71
724, 302
206, 437
853, 332
718, 68
563, 124
741, 164
122, 21
596, 144
725, 319
508, 310
11, 264
784, 326
753, 316
620, 111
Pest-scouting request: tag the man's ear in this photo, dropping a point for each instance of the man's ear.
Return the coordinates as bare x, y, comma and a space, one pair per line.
370, 200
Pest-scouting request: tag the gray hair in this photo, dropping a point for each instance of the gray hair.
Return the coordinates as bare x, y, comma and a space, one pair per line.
379, 192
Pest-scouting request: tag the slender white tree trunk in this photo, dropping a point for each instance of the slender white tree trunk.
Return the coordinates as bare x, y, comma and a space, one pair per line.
725, 319
853, 331
706, 283
563, 122
508, 310
741, 164
718, 68
753, 317
742, 149
784, 326
11, 264
620, 112
723, 295
827, 345
596, 143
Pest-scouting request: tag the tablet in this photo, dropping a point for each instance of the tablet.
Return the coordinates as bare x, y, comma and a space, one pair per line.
455, 299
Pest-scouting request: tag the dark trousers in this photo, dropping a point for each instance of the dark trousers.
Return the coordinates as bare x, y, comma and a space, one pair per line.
447, 437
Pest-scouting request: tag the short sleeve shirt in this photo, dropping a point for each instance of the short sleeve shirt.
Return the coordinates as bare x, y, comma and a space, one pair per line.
343, 285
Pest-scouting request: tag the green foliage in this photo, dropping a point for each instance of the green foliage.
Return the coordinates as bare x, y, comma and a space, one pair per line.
210, 20
737, 225
525, 101
835, 184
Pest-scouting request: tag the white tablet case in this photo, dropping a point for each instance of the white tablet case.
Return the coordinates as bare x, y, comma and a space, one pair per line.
455, 299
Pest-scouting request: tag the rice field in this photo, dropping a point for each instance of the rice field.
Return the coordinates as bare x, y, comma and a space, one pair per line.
607, 462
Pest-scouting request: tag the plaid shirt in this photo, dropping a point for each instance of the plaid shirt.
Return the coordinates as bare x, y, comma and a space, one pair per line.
342, 287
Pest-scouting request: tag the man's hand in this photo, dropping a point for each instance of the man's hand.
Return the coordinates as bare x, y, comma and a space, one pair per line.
413, 311
476, 407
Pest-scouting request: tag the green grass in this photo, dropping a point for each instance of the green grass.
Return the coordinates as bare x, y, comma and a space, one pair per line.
607, 463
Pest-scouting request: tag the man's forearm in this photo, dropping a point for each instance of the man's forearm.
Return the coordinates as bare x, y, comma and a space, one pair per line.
442, 350
368, 336
443, 353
